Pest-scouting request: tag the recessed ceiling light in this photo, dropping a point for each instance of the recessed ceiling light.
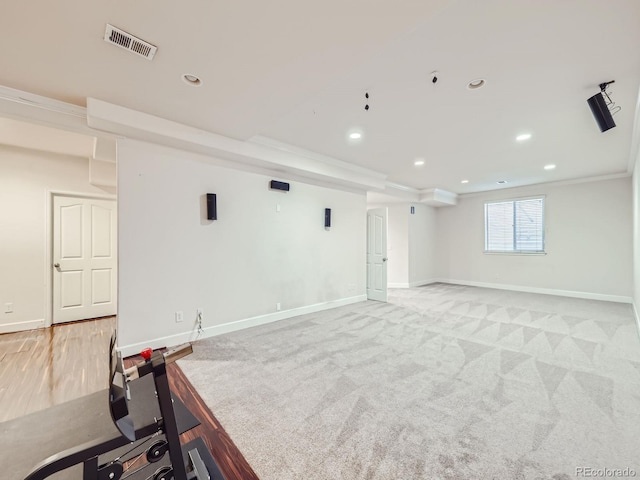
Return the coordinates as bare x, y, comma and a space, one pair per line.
419, 162
464, 181
355, 135
523, 137
477, 83
191, 79
501, 182
549, 167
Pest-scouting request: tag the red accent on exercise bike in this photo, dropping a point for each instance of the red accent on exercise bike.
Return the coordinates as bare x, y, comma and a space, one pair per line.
146, 353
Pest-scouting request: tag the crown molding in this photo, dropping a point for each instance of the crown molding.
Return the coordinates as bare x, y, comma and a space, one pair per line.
142, 126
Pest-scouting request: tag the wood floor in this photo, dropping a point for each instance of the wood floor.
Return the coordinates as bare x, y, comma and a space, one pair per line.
42, 368
45, 367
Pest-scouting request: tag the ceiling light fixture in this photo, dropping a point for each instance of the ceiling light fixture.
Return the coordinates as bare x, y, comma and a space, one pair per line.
523, 137
501, 182
549, 167
419, 162
191, 80
464, 181
475, 84
355, 136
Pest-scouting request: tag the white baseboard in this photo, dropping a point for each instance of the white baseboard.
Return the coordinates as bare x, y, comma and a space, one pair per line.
215, 330
420, 283
415, 283
544, 291
21, 326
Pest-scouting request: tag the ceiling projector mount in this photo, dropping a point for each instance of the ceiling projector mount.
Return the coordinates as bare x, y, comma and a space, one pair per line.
603, 108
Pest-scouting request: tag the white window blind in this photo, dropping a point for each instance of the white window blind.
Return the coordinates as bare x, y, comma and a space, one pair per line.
515, 226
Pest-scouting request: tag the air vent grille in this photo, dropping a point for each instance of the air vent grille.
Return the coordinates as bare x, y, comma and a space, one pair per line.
129, 42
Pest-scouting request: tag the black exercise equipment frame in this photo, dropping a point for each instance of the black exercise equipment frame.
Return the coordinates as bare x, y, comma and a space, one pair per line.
88, 453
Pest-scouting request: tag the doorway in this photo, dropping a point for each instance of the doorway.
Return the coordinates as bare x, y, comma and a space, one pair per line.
377, 254
84, 258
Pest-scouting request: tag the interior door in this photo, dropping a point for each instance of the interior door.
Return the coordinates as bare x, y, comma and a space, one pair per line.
84, 258
377, 254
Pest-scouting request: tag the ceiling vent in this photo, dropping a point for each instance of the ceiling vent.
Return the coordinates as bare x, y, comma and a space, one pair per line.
125, 40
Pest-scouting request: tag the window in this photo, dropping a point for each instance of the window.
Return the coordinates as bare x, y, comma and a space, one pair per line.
515, 226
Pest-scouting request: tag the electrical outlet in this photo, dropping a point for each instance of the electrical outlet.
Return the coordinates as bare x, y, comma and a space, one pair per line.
179, 317
8, 308
277, 307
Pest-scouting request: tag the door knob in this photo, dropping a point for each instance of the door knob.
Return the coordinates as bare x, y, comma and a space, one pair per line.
57, 265
384, 259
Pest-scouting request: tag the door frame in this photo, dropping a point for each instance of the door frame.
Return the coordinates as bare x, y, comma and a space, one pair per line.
384, 254
48, 254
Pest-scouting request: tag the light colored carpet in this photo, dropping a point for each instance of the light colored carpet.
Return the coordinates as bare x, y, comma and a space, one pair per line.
443, 382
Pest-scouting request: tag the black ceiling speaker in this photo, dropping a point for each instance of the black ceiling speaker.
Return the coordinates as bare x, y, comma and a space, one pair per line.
600, 109
601, 112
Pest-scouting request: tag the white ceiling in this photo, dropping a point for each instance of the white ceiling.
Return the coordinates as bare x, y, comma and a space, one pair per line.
297, 73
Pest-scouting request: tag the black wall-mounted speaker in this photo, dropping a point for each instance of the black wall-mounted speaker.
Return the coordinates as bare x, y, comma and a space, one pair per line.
276, 185
212, 208
601, 112
327, 217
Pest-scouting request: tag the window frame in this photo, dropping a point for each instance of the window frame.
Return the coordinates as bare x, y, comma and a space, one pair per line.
514, 201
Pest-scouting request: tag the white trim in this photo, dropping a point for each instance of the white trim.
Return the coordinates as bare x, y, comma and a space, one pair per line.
48, 244
514, 252
415, 283
142, 126
318, 157
635, 139
28, 107
421, 283
540, 196
95, 196
405, 188
437, 197
21, 326
636, 316
44, 103
234, 326
403, 193
543, 291
505, 192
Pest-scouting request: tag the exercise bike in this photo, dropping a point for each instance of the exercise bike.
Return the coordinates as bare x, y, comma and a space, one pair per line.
156, 440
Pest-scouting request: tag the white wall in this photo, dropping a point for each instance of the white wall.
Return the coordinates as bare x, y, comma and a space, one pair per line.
588, 236
636, 238
237, 267
25, 178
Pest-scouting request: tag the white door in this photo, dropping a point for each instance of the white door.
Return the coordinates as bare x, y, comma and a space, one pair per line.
84, 258
377, 254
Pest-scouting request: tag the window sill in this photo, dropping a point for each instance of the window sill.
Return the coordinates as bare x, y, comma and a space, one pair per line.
526, 254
